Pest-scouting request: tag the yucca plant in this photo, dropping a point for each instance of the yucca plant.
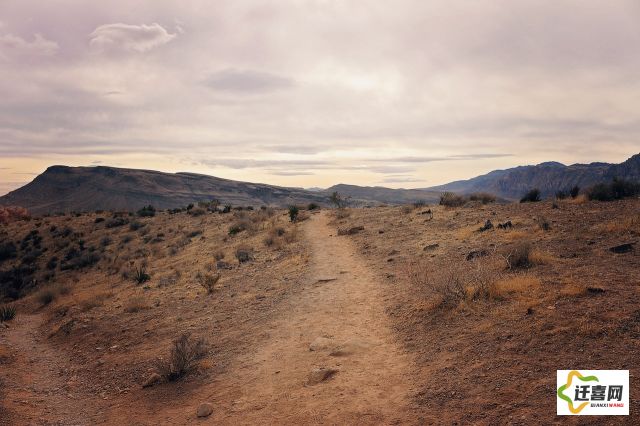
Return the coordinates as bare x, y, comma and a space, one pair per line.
140, 275
7, 313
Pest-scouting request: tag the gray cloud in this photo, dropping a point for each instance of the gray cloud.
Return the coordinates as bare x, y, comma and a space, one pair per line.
247, 81
137, 38
14, 46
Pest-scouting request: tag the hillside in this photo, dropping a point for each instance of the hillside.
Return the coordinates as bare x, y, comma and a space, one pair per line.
548, 177
64, 189
381, 195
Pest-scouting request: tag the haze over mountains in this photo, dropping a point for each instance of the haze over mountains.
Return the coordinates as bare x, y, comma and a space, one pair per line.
62, 188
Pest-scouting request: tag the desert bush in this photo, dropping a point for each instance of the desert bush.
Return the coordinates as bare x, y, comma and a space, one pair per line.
93, 301
313, 206
543, 223
52, 263
105, 241
575, 191
136, 304
7, 313
135, 225
244, 254
341, 213
338, 200
208, 281
98, 220
449, 199
293, 213
14, 281
532, 196
147, 211
406, 209
46, 296
185, 353
483, 197
8, 250
451, 283
561, 194
140, 275
616, 190
115, 222
518, 256
218, 255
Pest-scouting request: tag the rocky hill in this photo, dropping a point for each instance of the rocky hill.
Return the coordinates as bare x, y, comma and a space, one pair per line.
549, 177
63, 189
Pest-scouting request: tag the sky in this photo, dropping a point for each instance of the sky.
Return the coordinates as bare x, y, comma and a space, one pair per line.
314, 93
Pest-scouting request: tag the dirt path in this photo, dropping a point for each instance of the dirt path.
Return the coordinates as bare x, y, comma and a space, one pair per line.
343, 306
40, 386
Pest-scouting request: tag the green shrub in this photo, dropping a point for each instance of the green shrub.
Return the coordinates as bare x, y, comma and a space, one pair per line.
616, 190
293, 213
575, 191
311, 206
147, 211
532, 196
140, 275
7, 313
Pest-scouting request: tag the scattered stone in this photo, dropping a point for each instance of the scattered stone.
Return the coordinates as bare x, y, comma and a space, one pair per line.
152, 380
204, 410
326, 280
380, 231
321, 343
430, 247
622, 248
221, 264
506, 225
476, 254
318, 375
487, 225
351, 231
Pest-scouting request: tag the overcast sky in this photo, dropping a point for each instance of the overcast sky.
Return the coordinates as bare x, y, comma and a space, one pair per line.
313, 93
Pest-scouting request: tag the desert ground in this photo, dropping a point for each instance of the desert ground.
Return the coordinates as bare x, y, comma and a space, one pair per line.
385, 315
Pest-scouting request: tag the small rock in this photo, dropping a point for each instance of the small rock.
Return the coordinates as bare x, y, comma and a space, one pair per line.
476, 254
204, 410
223, 265
506, 225
622, 248
487, 225
151, 380
430, 247
350, 231
595, 290
318, 375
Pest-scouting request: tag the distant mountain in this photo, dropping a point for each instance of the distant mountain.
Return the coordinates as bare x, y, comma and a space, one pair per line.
549, 177
64, 189
364, 195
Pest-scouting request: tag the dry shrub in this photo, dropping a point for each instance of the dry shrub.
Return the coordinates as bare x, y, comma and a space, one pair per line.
483, 197
517, 235
513, 284
452, 282
517, 257
136, 304
291, 236
218, 255
208, 281
244, 253
93, 301
407, 209
625, 225
48, 294
573, 289
449, 199
183, 358
580, 199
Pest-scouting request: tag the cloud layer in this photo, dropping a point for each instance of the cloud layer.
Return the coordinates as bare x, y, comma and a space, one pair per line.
313, 93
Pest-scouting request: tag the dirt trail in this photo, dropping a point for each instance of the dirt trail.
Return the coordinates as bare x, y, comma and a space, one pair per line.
41, 385
343, 304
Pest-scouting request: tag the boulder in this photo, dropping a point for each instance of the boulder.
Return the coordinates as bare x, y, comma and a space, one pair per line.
204, 410
318, 375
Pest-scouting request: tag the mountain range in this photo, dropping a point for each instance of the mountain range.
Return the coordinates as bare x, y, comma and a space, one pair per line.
64, 189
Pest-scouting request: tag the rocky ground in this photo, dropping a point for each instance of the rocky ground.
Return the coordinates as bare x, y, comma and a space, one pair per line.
340, 318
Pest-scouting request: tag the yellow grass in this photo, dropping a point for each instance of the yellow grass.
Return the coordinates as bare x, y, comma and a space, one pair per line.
628, 224
93, 300
514, 284
136, 304
539, 257
580, 199
517, 235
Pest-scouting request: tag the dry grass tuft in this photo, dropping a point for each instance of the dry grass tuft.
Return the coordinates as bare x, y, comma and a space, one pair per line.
514, 284
183, 358
93, 301
136, 304
629, 225
539, 257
